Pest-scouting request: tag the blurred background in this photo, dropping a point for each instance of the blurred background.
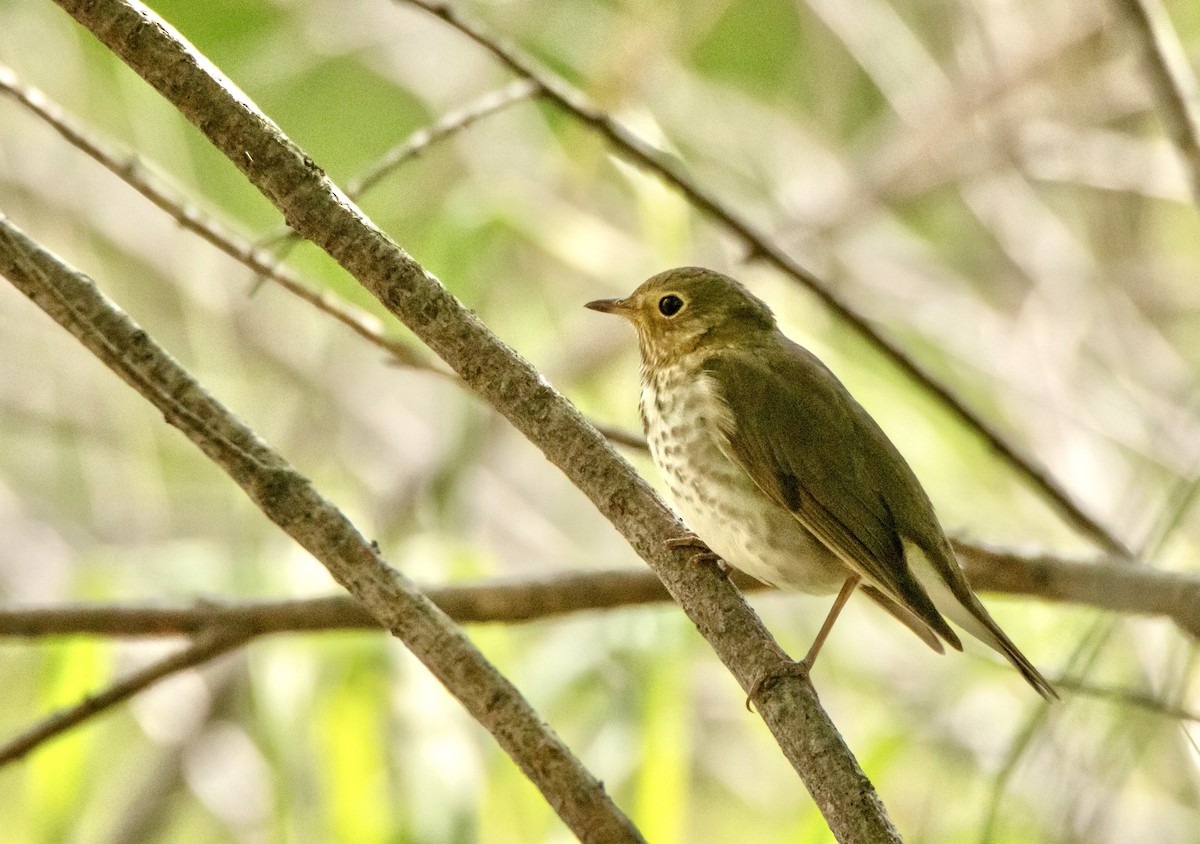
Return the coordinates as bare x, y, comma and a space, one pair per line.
988, 181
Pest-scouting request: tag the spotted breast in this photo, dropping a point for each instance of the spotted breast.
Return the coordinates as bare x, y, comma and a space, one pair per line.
716, 498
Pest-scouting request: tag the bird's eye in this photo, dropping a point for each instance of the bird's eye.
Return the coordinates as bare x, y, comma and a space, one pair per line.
670, 305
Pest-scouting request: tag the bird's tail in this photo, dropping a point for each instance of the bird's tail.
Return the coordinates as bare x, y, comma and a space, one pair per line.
985, 629
964, 609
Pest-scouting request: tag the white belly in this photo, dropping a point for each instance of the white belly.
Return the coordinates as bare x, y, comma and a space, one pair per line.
718, 500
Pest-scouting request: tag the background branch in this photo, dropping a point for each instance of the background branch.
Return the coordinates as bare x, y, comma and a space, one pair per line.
1172, 79
222, 626
135, 173
206, 648
638, 151
1110, 585
445, 127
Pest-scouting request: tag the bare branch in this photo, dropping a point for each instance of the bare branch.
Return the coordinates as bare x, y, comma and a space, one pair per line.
759, 245
448, 125
204, 649
1129, 697
135, 173
1171, 77
507, 601
1110, 584
223, 625
445, 127
1102, 584
289, 500
314, 207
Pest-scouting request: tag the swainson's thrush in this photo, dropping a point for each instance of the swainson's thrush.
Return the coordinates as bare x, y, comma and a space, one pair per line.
781, 473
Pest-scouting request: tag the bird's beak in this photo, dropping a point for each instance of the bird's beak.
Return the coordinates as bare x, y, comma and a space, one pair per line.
620, 307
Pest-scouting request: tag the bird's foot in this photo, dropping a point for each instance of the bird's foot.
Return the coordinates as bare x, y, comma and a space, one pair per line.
787, 668
703, 554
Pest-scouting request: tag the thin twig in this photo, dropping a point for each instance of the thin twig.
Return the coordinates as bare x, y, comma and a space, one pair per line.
1129, 697
222, 626
503, 601
234, 626
759, 245
141, 177
135, 173
206, 647
1172, 78
445, 127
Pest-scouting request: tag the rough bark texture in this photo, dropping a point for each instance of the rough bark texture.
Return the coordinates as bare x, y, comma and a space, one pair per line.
290, 500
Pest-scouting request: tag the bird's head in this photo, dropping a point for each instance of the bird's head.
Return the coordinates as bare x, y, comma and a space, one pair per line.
687, 309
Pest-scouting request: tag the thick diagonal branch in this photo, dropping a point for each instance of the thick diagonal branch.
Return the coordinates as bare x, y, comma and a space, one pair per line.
290, 500
314, 207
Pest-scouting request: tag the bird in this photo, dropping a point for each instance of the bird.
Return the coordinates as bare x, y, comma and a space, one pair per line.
776, 469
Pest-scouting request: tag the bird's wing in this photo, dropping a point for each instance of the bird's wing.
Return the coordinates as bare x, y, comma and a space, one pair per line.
805, 441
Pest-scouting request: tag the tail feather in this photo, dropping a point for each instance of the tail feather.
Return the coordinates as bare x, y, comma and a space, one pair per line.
968, 613
999, 641
1032, 676
910, 620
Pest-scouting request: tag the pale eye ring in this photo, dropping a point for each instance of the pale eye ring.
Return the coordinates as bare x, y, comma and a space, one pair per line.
670, 305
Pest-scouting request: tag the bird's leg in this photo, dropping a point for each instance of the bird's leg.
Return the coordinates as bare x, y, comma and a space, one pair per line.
840, 601
804, 666
703, 554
